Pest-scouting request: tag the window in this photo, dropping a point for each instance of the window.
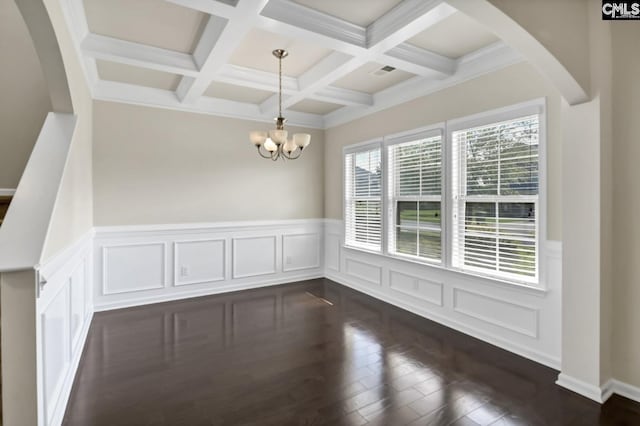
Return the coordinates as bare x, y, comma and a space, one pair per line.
363, 199
415, 192
495, 198
468, 202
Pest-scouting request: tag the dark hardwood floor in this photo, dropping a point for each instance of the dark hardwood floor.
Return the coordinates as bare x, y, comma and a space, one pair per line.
312, 353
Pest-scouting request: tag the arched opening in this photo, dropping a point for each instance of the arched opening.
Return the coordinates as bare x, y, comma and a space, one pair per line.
32, 161
571, 46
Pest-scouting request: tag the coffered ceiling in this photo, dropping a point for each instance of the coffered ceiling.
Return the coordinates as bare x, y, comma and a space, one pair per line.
214, 56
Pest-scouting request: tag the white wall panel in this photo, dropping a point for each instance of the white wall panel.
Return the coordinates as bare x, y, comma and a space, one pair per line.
300, 251
254, 256
55, 346
412, 286
133, 267
502, 313
364, 271
78, 287
332, 252
199, 261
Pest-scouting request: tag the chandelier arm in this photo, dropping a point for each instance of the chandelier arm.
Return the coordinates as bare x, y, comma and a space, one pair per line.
260, 152
293, 157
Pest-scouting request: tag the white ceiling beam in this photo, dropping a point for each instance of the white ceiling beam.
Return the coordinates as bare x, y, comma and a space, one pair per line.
294, 20
270, 105
76, 18
418, 61
255, 79
486, 60
219, 41
404, 21
321, 75
139, 55
417, 15
210, 36
315, 22
262, 80
384, 42
158, 98
212, 7
340, 96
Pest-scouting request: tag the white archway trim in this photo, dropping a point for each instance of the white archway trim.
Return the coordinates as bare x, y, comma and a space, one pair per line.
45, 42
517, 37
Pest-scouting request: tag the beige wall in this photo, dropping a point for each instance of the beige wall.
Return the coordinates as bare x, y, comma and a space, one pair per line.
19, 377
155, 166
73, 212
511, 85
561, 26
25, 102
626, 187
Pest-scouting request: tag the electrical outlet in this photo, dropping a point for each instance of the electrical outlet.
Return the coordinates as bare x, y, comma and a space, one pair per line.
184, 271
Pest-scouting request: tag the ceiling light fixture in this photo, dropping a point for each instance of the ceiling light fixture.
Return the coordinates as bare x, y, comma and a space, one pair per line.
274, 143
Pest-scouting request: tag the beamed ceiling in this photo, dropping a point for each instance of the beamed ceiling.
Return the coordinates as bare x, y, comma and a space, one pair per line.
214, 56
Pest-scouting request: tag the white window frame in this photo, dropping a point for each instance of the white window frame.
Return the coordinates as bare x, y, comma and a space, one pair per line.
354, 149
535, 106
392, 199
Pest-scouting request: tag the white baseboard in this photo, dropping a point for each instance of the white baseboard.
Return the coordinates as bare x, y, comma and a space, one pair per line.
625, 389
7, 192
206, 292
599, 394
585, 389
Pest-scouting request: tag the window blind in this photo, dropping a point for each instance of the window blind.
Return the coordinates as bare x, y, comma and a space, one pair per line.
363, 199
415, 192
495, 198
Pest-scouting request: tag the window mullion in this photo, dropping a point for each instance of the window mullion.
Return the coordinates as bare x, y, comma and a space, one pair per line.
384, 238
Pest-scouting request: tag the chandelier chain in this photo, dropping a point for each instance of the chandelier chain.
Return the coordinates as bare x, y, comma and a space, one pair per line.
280, 87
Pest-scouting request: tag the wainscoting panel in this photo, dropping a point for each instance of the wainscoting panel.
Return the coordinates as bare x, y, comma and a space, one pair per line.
364, 271
64, 308
156, 263
332, 252
78, 286
416, 287
199, 262
133, 267
520, 319
55, 348
503, 313
253, 256
300, 251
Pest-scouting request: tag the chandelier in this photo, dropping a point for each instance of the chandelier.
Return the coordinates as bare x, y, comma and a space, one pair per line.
274, 143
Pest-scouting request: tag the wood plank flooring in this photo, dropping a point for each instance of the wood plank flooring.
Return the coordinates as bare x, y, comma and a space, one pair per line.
310, 353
